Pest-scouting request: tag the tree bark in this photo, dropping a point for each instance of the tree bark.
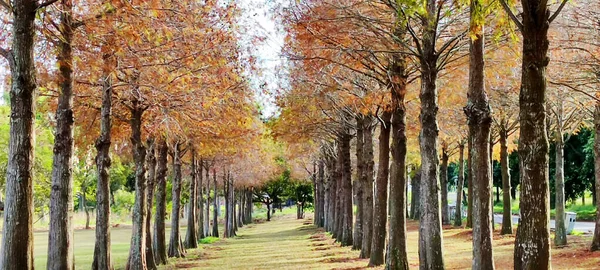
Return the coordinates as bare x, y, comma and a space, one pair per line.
215, 228
338, 214
560, 232
102, 250
506, 200
469, 182
430, 231
596, 240
175, 248
207, 217
346, 187
460, 185
365, 251
60, 234
160, 246
357, 185
17, 238
201, 232
191, 241
321, 197
532, 247
151, 163
137, 251
381, 192
396, 251
479, 118
444, 186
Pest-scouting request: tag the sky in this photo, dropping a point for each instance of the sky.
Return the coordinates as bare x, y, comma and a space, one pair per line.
258, 16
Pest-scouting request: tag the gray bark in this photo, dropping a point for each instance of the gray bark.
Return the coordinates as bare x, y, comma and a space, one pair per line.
506, 199
175, 247
365, 251
159, 245
191, 240
460, 185
596, 240
151, 163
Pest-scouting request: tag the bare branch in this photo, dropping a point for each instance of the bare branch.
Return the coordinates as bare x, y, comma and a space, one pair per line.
512, 15
562, 5
45, 4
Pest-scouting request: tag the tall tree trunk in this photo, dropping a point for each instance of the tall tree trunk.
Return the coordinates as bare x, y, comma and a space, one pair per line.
215, 228
596, 241
415, 200
329, 187
102, 259
60, 234
151, 163
396, 251
560, 238
430, 227
137, 251
160, 244
249, 205
191, 241
346, 194
338, 214
321, 198
175, 248
506, 200
357, 185
491, 179
365, 251
532, 247
479, 118
201, 232
207, 231
460, 185
17, 238
444, 186
381, 192
470, 182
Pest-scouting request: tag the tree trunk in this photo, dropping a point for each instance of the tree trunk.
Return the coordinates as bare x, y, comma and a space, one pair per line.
470, 182
532, 247
321, 197
365, 251
175, 248
215, 228
85, 209
560, 238
160, 244
491, 179
151, 163
415, 200
200, 201
460, 185
60, 234
102, 259
396, 251
338, 214
191, 241
346, 194
596, 241
329, 185
17, 238
381, 192
357, 185
430, 228
479, 118
268, 211
506, 200
444, 186
207, 231
137, 251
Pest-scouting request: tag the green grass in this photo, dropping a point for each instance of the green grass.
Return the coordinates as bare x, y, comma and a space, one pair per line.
584, 212
208, 240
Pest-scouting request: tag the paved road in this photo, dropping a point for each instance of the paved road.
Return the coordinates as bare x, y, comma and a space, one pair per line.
586, 227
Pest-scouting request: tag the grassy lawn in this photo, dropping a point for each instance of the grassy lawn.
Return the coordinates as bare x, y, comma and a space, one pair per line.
288, 243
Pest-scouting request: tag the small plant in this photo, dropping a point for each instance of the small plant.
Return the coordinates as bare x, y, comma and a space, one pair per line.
208, 240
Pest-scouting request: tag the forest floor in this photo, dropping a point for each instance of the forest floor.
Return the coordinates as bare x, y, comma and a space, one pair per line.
288, 243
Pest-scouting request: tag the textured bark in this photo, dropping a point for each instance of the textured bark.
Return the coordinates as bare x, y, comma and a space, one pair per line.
337, 200
396, 257
430, 228
151, 167
365, 251
596, 240
215, 228
381, 192
415, 200
102, 260
207, 217
532, 247
160, 244
175, 247
460, 185
506, 199
479, 118
444, 186
191, 241
201, 231
560, 232
469, 183
17, 238
329, 190
357, 185
60, 233
346, 194
249, 206
137, 251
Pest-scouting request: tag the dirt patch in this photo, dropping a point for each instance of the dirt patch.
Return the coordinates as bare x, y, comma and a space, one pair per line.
187, 265
351, 268
318, 244
321, 248
339, 260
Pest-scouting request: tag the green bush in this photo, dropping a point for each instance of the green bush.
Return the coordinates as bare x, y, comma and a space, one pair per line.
124, 201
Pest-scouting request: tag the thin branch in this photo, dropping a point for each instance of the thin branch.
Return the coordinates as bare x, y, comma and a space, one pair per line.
562, 5
6, 5
45, 4
512, 15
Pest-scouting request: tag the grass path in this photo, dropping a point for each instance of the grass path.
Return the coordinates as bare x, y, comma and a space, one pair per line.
284, 243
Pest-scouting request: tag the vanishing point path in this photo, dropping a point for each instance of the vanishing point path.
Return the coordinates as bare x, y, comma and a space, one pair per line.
283, 243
